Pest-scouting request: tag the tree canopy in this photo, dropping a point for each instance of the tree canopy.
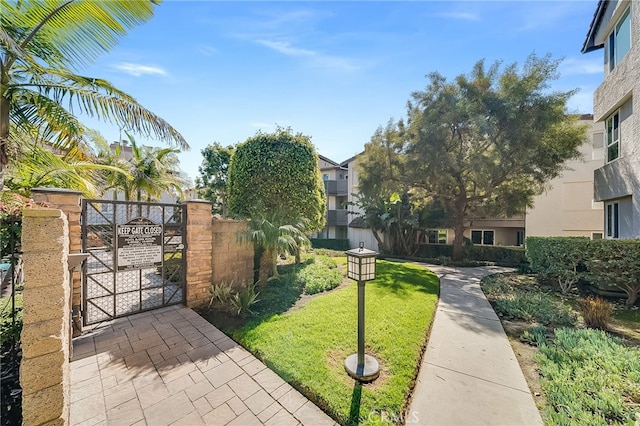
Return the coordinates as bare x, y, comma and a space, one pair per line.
214, 171
277, 174
482, 145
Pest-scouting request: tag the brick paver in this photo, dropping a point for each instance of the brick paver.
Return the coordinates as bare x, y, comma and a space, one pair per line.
171, 367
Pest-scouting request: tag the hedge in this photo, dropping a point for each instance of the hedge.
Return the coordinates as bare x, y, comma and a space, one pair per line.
603, 263
330, 243
497, 254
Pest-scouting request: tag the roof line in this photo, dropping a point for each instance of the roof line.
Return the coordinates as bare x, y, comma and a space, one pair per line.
589, 43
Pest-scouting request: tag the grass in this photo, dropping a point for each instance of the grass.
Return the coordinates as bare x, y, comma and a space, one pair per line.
586, 377
307, 346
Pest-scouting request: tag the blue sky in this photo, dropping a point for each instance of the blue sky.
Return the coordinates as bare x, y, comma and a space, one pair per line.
334, 70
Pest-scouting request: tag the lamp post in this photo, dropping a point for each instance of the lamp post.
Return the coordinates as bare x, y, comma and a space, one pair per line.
361, 266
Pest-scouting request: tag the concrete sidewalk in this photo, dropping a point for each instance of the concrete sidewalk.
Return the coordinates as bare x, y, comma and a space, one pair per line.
469, 374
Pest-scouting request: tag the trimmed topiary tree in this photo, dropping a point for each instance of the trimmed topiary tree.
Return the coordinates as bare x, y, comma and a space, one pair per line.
276, 175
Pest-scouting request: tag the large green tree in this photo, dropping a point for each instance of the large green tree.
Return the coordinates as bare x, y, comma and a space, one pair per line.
486, 143
214, 171
274, 177
41, 43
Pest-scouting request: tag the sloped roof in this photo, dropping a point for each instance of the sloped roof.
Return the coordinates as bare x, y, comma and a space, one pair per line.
589, 44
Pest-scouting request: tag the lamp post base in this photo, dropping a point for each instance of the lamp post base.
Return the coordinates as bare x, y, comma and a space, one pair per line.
367, 372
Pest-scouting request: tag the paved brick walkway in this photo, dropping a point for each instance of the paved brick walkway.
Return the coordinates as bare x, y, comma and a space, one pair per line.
171, 367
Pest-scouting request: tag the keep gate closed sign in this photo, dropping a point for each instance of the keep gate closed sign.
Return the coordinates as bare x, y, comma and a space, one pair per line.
139, 244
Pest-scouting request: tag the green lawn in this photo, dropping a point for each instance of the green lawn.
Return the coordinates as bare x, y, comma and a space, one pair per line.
307, 346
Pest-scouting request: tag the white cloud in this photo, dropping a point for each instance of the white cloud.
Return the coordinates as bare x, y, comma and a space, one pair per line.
465, 16
573, 66
138, 70
207, 50
286, 49
314, 59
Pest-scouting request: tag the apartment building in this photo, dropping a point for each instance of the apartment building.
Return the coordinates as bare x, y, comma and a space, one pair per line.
615, 30
568, 207
336, 188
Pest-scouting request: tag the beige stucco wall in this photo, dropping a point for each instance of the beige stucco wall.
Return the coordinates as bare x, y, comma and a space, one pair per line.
621, 88
567, 207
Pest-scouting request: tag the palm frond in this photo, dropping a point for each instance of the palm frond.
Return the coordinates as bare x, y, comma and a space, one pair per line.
78, 31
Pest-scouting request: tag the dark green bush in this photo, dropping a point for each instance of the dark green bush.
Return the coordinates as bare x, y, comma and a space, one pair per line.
603, 263
330, 243
496, 254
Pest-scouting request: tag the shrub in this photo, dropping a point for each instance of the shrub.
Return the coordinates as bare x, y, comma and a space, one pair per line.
320, 275
172, 269
330, 243
589, 378
596, 312
243, 300
220, 292
535, 307
617, 263
10, 331
536, 335
559, 259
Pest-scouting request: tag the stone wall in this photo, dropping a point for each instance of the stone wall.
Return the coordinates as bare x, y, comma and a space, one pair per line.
198, 262
213, 253
46, 335
70, 203
232, 261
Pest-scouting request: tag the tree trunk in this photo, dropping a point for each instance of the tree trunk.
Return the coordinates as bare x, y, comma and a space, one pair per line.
458, 240
632, 296
265, 267
274, 264
4, 126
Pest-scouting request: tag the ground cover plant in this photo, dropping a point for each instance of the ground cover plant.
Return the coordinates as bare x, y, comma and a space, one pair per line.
306, 339
577, 375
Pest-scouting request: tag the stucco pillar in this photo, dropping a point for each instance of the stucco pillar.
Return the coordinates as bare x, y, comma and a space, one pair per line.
199, 243
69, 202
46, 334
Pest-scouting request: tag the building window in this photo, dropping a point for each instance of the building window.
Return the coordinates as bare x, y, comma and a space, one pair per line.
433, 236
519, 238
325, 176
482, 237
619, 42
612, 219
613, 136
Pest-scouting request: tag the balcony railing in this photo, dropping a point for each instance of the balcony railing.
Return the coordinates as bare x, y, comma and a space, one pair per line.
336, 187
337, 217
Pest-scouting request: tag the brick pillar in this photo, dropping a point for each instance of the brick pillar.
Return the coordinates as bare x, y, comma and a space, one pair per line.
69, 202
232, 261
198, 262
46, 334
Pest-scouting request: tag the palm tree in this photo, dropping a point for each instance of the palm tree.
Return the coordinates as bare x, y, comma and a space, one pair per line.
40, 42
272, 238
154, 170
40, 166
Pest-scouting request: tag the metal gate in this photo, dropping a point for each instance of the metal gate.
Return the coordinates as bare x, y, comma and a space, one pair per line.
136, 257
